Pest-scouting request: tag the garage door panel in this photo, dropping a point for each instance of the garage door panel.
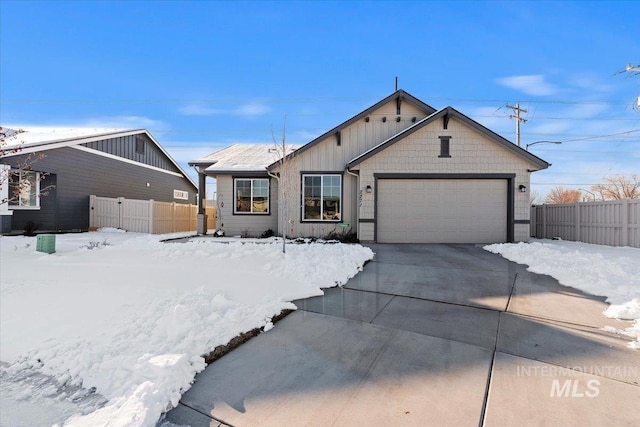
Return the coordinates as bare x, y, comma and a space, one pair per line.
442, 210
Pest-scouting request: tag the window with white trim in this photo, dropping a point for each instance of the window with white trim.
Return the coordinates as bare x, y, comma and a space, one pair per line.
322, 197
252, 196
24, 190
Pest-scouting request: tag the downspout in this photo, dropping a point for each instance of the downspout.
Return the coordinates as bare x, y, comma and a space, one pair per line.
358, 200
281, 209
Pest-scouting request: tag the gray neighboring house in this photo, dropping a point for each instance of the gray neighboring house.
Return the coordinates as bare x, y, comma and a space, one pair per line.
77, 163
398, 172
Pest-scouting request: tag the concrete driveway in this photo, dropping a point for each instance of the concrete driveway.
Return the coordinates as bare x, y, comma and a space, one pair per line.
447, 335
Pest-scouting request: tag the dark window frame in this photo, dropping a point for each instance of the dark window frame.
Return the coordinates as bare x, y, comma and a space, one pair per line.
235, 195
445, 147
322, 175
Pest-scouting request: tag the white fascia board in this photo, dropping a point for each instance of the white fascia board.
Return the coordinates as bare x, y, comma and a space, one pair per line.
169, 157
65, 142
75, 142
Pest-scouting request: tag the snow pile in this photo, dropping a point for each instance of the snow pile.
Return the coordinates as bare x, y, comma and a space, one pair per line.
608, 271
627, 311
130, 317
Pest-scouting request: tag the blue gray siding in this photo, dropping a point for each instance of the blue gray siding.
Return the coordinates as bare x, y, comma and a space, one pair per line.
125, 146
78, 174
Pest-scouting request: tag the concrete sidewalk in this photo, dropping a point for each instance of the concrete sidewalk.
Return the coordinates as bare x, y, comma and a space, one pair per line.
428, 335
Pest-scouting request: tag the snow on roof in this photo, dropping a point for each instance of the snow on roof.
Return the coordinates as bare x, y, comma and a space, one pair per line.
242, 157
36, 135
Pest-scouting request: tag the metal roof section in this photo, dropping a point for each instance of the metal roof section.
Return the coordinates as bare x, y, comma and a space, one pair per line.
34, 139
445, 113
397, 95
238, 158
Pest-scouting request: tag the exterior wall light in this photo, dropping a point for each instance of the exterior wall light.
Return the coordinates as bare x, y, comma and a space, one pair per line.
368, 189
523, 188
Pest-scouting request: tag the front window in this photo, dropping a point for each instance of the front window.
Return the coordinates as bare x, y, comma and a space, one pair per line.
24, 188
252, 196
322, 197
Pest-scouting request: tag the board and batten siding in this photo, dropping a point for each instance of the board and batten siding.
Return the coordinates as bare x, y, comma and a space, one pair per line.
125, 147
237, 224
79, 173
327, 156
471, 153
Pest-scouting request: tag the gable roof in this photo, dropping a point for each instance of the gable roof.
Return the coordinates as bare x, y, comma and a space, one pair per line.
238, 158
399, 94
35, 139
450, 112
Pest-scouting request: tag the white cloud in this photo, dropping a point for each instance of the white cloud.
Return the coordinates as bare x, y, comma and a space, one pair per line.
198, 109
107, 122
252, 109
531, 85
201, 108
128, 122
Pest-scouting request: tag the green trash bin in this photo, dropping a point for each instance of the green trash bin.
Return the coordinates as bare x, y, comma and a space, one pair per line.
46, 243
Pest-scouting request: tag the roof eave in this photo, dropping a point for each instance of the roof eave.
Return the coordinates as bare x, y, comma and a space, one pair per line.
454, 113
238, 172
398, 93
64, 142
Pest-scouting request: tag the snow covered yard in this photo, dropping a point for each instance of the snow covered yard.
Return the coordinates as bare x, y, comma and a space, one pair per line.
129, 317
600, 270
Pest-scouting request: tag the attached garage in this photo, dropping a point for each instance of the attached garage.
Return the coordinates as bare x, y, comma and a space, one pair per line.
441, 209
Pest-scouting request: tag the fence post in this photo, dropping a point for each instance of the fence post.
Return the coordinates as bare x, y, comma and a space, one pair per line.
625, 221
532, 221
92, 211
576, 216
173, 217
151, 216
120, 211
544, 222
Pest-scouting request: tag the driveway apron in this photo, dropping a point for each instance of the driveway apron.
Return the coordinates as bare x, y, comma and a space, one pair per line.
445, 335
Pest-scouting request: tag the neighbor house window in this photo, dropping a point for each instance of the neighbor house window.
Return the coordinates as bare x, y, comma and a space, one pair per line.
322, 197
444, 146
24, 188
252, 196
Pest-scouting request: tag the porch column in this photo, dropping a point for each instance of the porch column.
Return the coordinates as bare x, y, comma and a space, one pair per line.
202, 208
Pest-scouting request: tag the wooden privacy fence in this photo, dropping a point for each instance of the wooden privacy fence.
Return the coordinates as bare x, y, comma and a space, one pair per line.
613, 223
145, 216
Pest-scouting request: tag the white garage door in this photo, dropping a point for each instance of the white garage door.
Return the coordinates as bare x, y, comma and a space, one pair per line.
442, 210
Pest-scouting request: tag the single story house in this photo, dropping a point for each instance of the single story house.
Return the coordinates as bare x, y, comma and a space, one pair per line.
398, 172
48, 174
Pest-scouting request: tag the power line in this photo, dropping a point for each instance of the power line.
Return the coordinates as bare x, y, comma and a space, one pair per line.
603, 136
272, 99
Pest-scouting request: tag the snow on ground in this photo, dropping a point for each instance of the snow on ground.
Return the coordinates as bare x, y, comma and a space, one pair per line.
608, 271
111, 328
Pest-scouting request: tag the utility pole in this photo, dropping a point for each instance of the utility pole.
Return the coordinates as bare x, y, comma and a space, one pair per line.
519, 119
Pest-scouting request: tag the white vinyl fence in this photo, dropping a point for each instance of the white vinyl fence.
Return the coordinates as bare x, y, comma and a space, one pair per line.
145, 216
613, 223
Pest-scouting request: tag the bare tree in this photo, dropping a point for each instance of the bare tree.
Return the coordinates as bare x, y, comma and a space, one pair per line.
286, 178
14, 177
534, 196
560, 195
618, 187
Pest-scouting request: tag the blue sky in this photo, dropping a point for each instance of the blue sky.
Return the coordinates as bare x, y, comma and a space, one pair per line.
203, 75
